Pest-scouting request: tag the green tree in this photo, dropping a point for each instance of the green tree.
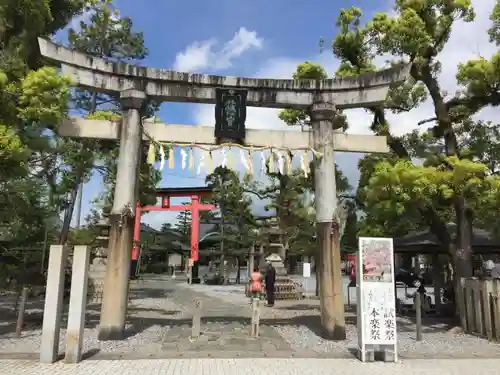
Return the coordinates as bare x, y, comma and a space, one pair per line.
237, 220
83, 236
291, 201
33, 99
22, 22
41, 99
105, 35
297, 117
184, 224
382, 223
449, 181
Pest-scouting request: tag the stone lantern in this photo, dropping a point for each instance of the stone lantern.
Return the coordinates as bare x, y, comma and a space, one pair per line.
285, 287
103, 226
97, 270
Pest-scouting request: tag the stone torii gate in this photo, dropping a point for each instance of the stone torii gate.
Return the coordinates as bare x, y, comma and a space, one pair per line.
135, 85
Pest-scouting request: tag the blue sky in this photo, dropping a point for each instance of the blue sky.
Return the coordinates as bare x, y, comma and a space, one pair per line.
246, 38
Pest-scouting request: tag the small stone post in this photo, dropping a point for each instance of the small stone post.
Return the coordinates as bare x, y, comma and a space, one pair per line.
20, 311
255, 324
418, 315
54, 293
196, 326
115, 296
77, 304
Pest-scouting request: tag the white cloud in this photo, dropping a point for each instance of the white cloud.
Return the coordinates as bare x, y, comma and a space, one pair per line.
196, 56
203, 55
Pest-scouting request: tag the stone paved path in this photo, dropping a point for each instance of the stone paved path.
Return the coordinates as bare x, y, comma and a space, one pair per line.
225, 330
254, 366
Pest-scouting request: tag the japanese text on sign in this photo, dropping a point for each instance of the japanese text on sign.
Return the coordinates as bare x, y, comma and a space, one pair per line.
377, 310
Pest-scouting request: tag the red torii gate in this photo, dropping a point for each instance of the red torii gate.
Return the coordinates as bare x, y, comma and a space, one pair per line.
195, 206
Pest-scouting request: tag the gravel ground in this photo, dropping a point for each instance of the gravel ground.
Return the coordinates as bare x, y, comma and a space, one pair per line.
438, 341
440, 344
147, 314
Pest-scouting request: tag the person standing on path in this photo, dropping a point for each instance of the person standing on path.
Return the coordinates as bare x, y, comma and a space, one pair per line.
256, 283
270, 280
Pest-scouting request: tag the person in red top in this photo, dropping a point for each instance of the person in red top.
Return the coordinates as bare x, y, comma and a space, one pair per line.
352, 276
256, 283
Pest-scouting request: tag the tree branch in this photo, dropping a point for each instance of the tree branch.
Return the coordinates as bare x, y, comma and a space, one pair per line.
426, 121
474, 103
258, 194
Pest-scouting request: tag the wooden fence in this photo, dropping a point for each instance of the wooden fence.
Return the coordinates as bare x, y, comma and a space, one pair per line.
482, 307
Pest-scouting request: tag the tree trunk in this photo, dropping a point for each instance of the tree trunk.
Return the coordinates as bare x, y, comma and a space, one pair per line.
461, 254
51, 179
69, 210
316, 275
460, 251
238, 270
78, 214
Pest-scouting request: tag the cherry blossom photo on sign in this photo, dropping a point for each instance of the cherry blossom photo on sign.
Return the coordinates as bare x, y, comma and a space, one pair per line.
377, 262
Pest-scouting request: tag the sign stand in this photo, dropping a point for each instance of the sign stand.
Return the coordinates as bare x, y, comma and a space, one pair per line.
306, 274
376, 299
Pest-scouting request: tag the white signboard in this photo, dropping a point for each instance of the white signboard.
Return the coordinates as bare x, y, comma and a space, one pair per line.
376, 293
306, 270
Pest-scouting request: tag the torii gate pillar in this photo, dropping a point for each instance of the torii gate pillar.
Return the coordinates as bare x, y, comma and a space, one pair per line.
114, 305
327, 224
